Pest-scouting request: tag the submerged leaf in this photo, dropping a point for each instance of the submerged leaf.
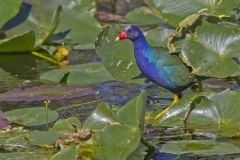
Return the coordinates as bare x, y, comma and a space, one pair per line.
199, 147
46, 92
35, 116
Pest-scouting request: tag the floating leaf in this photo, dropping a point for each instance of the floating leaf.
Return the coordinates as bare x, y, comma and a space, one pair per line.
117, 57
69, 153
199, 147
143, 15
118, 142
14, 139
67, 126
84, 28
101, 117
132, 113
216, 113
82, 74
174, 11
28, 155
8, 9
18, 43
35, 116
158, 37
42, 138
46, 92
210, 52
42, 25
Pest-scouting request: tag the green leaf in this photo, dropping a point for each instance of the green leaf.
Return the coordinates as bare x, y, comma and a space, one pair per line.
8, 10
101, 117
43, 21
158, 37
69, 153
42, 138
82, 74
84, 27
132, 113
118, 142
199, 147
217, 113
143, 15
174, 11
117, 57
18, 43
35, 116
66, 126
28, 155
210, 52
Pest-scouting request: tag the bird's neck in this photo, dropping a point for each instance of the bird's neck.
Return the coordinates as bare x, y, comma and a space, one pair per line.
141, 47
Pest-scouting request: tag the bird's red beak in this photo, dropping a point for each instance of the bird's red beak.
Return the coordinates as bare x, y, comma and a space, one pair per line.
122, 35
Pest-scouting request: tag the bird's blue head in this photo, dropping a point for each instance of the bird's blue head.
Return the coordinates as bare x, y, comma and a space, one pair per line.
129, 32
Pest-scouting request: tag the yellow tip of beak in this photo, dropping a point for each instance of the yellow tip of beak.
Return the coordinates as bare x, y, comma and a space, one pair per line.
117, 39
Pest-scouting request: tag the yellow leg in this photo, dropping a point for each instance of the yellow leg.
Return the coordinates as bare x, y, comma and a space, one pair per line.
157, 117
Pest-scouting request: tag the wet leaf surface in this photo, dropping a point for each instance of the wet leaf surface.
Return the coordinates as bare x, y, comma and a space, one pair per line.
46, 92
211, 112
119, 148
210, 53
35, 116
175, 12
143, 15
81, 74
69, 153
18, 43
200, 147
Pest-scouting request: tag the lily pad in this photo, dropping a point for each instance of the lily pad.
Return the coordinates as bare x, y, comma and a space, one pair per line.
43, 138
46, 92
199, 147
217, 113
132, 113
210, 52
143, 15
100, 118
82, 74
18, 43
43, 27
35, 116
117, 57
29, 155
69, 153
174, 11
118, 142
158, 37
8, 9
66, 126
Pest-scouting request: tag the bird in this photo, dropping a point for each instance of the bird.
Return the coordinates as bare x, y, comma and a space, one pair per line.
159, 66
